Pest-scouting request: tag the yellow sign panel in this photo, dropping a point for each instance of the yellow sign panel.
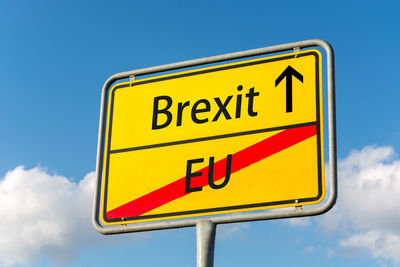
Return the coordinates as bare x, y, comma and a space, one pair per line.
236, 137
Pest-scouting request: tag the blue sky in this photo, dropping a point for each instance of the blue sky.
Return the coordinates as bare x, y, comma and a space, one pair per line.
55, 57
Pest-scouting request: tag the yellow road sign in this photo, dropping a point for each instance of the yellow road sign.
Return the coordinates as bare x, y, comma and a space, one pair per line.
230, 138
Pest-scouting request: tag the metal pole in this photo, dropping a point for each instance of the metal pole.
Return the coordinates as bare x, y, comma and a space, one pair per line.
205, 231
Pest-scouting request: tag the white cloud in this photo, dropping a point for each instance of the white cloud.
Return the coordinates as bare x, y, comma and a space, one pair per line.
367, 211
308, 250
227, 230
300, 222
384, 245
330, 253
45, 215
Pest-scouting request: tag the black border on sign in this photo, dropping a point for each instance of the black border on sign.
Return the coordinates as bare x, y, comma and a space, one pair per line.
226, 208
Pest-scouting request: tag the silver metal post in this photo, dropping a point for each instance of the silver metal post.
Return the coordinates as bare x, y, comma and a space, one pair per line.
205, 231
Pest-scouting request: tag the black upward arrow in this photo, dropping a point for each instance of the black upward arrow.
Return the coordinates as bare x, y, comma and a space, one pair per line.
288, 73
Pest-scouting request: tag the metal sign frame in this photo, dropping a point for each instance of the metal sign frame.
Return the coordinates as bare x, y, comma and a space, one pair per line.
268, 215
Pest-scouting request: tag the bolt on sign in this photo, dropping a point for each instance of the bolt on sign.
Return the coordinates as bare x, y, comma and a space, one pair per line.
231, 138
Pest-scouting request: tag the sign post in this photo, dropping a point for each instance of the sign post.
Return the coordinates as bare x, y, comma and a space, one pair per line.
205, 231
218, 144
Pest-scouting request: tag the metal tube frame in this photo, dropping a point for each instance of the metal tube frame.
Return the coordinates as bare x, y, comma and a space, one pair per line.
205, 231
269, 215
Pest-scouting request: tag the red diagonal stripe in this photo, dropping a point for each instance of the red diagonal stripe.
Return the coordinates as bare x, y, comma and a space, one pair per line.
240, 160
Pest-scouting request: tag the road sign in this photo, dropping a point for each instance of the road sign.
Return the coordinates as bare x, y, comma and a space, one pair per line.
230, 138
